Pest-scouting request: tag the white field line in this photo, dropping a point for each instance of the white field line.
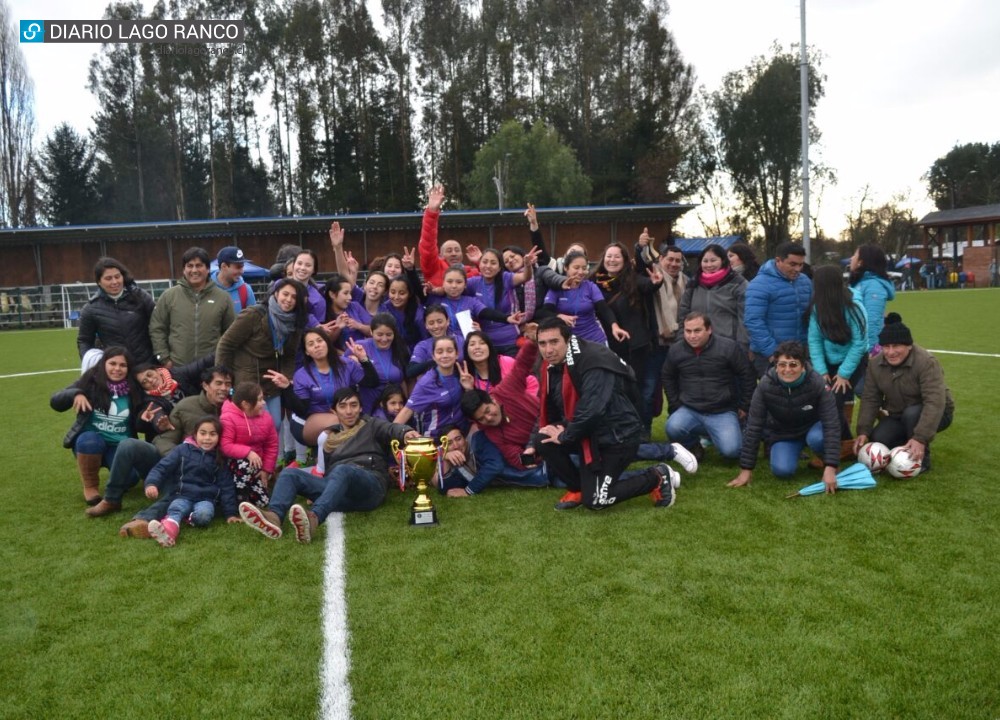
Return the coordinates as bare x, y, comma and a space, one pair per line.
40, 372
335, 699
959, 352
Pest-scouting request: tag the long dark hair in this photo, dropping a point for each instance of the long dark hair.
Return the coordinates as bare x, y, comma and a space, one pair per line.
873, 260
400, 353
626, 278
719, 252
492, 360
498, 280
301, 299
333, 285
94, 382
332, 356
412, 304
750, 264
832, 302
220, 459
454, 344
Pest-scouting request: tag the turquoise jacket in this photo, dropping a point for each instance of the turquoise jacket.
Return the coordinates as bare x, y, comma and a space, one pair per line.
823, 353
874, 293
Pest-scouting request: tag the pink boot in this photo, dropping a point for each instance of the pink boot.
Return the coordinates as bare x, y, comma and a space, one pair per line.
164, 531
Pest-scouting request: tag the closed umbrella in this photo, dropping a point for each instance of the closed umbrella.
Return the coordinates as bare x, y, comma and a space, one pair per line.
855, 477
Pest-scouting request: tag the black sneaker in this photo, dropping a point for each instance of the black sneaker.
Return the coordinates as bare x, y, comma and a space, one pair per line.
666, 494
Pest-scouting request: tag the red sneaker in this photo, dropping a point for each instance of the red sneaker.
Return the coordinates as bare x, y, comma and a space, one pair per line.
569, 501
164, 531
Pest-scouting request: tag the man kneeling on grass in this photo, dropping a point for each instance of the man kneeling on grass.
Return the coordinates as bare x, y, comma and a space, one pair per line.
356, 455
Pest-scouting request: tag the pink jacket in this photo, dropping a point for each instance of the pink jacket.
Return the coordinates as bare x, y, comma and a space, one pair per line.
241, 434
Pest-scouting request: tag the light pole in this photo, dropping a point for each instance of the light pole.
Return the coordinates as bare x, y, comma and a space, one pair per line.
500, 179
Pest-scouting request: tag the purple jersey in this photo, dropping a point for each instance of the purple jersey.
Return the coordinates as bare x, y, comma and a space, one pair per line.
315, 306
412, 332
385, 368
580, 302
318, 388
436, 401
453, 307
356, 311
502, 334
424, 350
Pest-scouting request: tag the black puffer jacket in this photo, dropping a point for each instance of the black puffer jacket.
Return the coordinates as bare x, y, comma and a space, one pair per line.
704, 382
105, 322
780, 413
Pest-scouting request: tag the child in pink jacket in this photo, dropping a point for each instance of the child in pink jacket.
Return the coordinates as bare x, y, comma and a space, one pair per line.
250, 442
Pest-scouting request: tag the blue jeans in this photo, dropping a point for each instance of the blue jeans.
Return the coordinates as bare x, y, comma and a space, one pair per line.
655, 451
785, 453
346, 488
684, 426
650, 384
491, 467
91, 443
201, 512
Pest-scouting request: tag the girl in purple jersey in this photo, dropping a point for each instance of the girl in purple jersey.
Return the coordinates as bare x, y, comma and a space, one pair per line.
494, 287
455, 301
385, 350
405, 309
580, 303
436, 323
436, 399
360, 311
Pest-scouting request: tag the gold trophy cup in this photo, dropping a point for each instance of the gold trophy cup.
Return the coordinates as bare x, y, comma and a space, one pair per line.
418, 459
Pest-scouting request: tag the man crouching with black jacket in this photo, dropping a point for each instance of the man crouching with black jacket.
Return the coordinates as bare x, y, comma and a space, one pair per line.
586, 410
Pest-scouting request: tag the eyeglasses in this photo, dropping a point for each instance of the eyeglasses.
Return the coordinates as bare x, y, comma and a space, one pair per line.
788, 364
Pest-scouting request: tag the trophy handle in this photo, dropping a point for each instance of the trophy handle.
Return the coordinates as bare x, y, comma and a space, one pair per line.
444, 444
394, 444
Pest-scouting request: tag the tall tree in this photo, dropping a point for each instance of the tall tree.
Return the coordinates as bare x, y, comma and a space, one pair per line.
66, 176
17, 128
757, 117
533, 166
968, 175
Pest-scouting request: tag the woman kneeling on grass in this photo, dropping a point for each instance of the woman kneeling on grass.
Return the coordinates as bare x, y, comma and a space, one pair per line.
107, 404
791, 407
202, 480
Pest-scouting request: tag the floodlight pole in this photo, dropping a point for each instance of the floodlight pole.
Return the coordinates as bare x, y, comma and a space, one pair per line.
804, 77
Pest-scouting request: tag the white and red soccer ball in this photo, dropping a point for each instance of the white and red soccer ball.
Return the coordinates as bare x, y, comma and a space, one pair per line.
901, 465
874, 456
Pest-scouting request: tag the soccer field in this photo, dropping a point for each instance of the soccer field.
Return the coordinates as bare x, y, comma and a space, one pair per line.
733, 603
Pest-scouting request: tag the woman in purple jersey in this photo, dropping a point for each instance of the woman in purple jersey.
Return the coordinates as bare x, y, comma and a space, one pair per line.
455, 301
360, 311
405, 309
436, 323
436, 399
494, 287
385, 350
580, 303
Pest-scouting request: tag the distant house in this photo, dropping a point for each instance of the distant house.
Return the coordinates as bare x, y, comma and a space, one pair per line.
963, 239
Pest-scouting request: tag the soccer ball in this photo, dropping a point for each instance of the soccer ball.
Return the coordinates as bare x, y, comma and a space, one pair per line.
874, 456
901, 465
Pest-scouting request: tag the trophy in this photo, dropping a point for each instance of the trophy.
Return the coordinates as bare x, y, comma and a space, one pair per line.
420, 459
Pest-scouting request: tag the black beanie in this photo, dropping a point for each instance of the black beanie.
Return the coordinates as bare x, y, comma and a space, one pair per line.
895, 332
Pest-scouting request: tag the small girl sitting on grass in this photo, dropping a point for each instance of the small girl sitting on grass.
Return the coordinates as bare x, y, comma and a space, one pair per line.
250, 441
202, 481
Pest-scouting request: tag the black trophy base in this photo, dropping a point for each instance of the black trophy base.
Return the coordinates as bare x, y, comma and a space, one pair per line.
421, 518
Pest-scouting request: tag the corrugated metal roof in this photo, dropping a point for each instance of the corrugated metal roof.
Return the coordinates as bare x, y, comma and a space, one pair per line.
962, 216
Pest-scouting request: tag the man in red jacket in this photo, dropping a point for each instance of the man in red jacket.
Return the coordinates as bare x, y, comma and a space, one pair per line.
432, 263
506, 416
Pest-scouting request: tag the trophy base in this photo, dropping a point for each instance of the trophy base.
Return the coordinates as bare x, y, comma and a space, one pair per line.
423, 517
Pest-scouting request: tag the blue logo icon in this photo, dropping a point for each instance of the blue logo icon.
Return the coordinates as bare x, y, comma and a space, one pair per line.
32, 31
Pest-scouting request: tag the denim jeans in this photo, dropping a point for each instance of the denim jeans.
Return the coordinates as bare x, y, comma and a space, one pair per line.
91, 443
684, 426
346, 488
650, 384
201, 512
491, 467
785, 453
133, 458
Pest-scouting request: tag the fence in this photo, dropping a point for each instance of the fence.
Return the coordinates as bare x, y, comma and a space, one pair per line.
52, 306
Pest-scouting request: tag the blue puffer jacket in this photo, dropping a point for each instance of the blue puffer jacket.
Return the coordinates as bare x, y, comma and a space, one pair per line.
775, 309
874, 293
199, 476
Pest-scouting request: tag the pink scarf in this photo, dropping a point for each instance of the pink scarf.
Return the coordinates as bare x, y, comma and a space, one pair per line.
710, 280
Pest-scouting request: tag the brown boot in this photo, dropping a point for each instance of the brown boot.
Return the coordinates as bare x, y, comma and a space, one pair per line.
135, 529
105, 507
90, 473
847, 450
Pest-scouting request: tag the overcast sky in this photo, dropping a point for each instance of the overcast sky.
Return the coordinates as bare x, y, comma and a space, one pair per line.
906, 80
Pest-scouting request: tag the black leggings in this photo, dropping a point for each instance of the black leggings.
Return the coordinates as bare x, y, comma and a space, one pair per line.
600, 482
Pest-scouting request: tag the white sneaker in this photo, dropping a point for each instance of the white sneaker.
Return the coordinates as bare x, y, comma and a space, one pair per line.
684, 456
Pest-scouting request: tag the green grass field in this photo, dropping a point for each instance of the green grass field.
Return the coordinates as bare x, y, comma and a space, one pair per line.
734, 603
